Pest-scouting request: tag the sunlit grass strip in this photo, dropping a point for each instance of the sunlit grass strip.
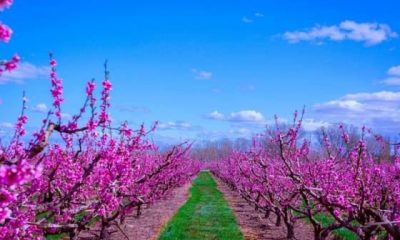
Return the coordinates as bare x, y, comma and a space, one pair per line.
206, 215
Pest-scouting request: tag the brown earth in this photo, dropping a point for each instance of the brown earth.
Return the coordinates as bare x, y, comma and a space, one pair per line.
253, 224
152, 220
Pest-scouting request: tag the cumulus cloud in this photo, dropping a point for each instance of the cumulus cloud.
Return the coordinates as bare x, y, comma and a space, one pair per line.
25, 71
394, 71
393, 81
247, 20
179, 125
310, 124
393, 76
368, 33
248, 116
241, 132
7, 125
6, 129
379, 110
343, 104
41, 107
374, 96
202, 75
258, 14
216, 115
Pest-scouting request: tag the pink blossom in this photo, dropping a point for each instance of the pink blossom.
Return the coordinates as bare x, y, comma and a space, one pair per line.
56, 88
5, 213
5, 198
5, 33
5, 4
90, 88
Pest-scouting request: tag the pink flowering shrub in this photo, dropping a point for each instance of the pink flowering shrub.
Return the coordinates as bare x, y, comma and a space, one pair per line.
282, 175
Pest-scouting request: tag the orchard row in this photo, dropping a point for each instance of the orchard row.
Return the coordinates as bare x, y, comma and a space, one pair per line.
348, 179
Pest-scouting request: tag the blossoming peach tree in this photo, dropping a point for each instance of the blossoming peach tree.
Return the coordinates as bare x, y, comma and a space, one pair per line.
96, 172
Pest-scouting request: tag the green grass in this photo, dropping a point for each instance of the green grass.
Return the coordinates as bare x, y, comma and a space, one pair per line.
342, 233
56, 236
206, 215
79, 216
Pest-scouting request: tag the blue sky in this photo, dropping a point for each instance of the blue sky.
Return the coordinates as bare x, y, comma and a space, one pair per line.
209, 69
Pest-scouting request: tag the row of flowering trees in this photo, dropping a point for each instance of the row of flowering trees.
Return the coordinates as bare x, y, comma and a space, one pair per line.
71, 174
285, 175
93, 173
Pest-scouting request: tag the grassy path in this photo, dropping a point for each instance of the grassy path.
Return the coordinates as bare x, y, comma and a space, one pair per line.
206, 215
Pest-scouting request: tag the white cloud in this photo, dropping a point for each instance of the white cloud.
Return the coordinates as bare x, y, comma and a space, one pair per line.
368, 33
375, 96
41, 107
24, 71
316, 33
350, 105
394, 71
393, 81
180, 125
6, 129
258, 14
246, 116
379, 110
247, 20
241, 131
216, 115
202, 75
393, 76
6, 125
310, 124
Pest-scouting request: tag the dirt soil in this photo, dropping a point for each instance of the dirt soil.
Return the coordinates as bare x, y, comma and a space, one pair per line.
252, 223
153, 218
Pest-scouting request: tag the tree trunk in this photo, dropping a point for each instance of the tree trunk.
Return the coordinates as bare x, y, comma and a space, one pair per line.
104, 233
289, 231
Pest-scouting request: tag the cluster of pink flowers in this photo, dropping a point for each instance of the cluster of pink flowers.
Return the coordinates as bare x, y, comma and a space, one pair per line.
284, 175
105, 97
56, 87
5, 33
5, 4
